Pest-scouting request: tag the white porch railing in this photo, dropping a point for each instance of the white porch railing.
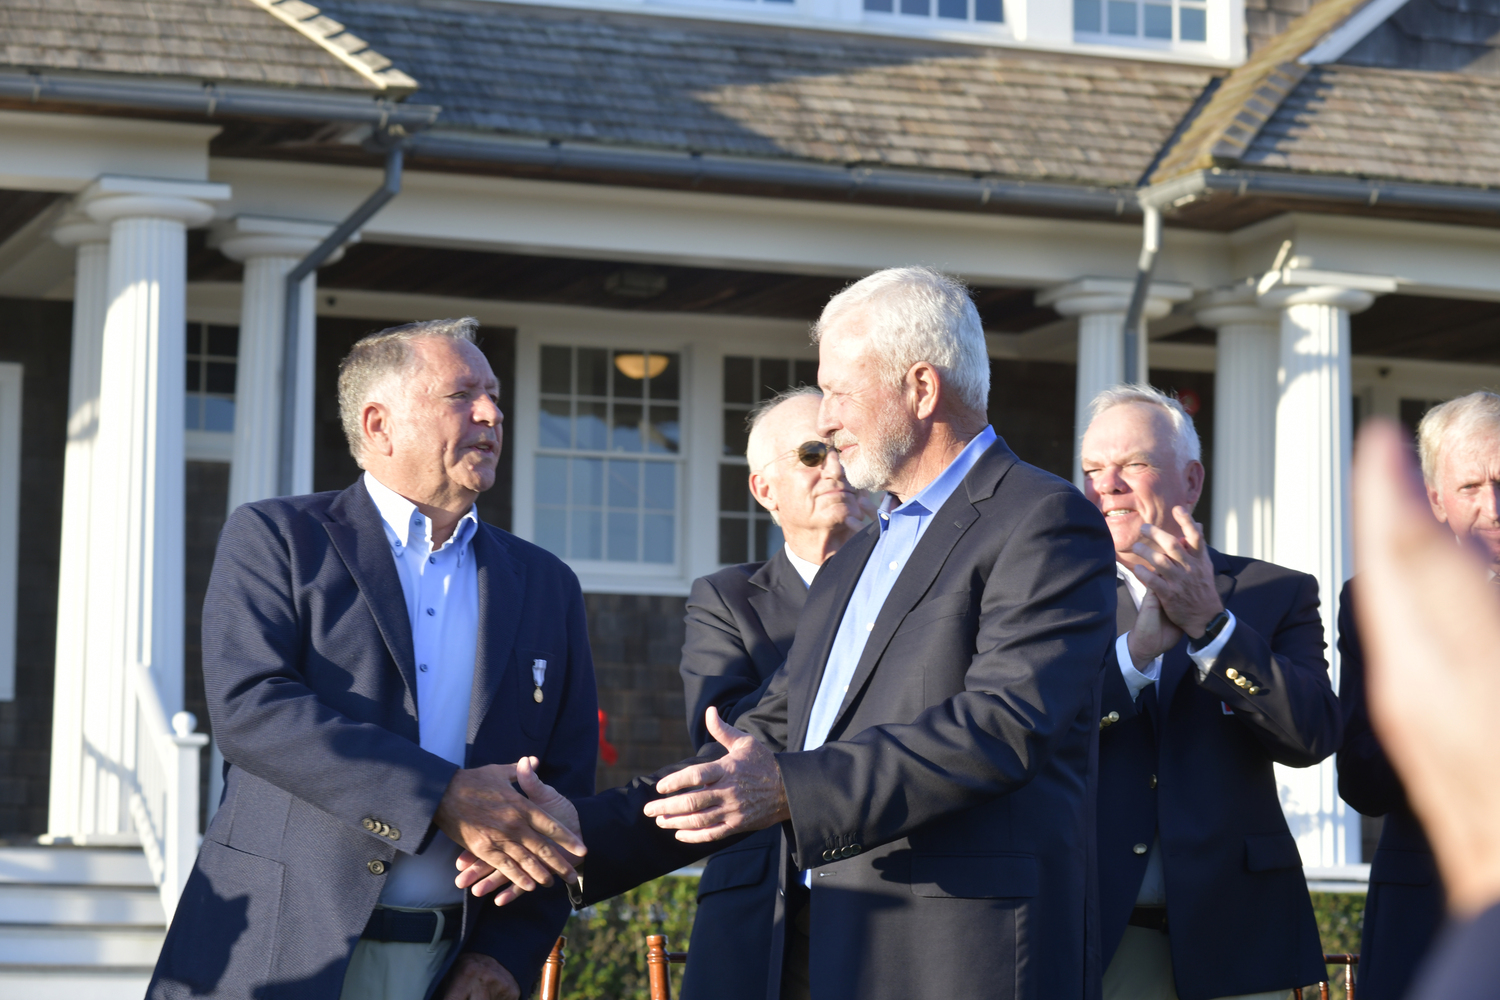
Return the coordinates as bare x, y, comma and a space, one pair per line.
164, 788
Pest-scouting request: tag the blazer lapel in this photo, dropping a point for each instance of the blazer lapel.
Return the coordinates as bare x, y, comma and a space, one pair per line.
780, 594
359, 537
502, 586
1176, 664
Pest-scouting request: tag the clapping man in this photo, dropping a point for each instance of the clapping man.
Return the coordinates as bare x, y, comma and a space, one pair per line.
740, 624
1217, 674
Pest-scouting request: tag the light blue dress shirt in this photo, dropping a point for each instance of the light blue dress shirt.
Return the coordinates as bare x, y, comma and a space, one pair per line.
441, 587
901, 528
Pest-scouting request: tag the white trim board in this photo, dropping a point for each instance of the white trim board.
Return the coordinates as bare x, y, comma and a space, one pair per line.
1332, 46
11, 378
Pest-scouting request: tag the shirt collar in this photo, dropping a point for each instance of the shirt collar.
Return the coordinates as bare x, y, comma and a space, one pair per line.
1132, 582
936, 493
401, 515
806, 570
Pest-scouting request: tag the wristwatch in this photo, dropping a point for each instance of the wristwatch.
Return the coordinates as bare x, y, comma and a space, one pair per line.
1215, 626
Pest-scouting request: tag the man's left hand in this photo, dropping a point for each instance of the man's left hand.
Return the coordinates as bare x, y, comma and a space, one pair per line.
480, 977
739, 793
1181, 574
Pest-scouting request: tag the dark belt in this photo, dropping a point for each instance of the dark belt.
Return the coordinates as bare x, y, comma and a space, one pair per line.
1153, 918
412, 928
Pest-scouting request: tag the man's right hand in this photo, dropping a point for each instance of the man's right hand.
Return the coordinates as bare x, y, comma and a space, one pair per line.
1153, 633
481, 878
504, 829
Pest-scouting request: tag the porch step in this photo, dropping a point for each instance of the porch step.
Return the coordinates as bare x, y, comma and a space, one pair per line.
51, 983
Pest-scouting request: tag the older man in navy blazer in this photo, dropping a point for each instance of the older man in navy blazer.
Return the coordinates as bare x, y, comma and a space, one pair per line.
1217, 675
372, 658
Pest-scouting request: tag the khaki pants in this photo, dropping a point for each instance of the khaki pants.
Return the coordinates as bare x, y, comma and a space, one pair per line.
393, 970
1142, 970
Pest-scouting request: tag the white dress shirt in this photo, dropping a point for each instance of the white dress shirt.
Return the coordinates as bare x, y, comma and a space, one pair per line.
442, 602
806, 570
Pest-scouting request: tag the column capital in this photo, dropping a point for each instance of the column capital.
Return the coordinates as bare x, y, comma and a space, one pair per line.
75, 229
1087, 296
247, 236
1235, 305
113, 197
1351, 300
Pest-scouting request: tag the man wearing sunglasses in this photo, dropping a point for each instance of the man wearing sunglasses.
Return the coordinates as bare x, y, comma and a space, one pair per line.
740, 623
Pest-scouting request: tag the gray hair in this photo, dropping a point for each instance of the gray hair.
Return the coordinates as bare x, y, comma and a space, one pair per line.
378, 357
923, 315
1465, 415
1185, 442
755, 445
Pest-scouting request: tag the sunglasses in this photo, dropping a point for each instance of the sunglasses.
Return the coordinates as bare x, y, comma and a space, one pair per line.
810, 453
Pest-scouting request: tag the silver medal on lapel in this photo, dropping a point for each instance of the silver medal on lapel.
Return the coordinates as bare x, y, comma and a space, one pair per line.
538, 675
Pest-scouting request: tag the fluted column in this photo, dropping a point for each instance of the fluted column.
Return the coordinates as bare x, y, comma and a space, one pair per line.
90, 291
1245, 398
134, 563
1100, 305
1312, 528
269, 249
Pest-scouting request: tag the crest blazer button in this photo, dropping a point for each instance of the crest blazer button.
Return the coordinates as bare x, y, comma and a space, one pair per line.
377, 867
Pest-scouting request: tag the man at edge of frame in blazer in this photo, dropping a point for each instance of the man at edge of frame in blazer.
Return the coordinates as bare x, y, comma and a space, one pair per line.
373, 658
926, 749
740, 624
1218, 674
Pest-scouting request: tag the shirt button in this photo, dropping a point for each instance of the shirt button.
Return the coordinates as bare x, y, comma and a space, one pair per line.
422, 667
870, 627
432, 559
893, 564
1139, 848
431, 612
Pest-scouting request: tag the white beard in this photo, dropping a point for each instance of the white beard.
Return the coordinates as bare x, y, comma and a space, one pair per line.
875, 465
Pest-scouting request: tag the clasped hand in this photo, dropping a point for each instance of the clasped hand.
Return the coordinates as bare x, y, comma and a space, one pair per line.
1180, 593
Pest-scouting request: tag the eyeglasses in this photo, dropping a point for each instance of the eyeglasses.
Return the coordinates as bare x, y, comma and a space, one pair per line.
810, 453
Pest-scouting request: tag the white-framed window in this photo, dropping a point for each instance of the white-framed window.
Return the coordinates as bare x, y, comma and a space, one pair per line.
212, 370
953, 12
1141, 22
11, 377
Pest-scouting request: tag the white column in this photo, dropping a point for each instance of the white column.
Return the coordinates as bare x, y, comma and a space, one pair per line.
134, 565
1312, 528
90, 289
1245, 395
1100, 305
269, 249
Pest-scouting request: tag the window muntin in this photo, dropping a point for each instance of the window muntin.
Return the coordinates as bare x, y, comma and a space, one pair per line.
980, 11
1141, 21
212, 357
746, 533
608, 463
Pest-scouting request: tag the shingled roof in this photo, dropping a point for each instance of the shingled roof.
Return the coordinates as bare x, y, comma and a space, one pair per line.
220, 41
748, 90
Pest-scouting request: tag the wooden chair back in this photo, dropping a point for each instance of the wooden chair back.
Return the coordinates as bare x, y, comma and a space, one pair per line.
658, 963
552, 971
1348, 962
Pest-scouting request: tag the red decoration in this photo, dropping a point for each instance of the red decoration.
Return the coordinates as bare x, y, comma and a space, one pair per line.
607, 752
1190, 402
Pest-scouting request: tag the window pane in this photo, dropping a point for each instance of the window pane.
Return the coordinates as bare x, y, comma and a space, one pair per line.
195, 338
739, 379
666, 384
629, 373
988, 10
552, 530
625, 484
1086, 16
661, 486
1122, 17
551, 480
194, 413
734, 493
626, 433
593, 371
734, 538
921, 8
767, 539
735, 435
665, 434
218, 414
554, 424
1193, 23
624, 537
954, 8
773, 372
658, 542
591, 427
807, 371
587, 541
588, 482
194, 375
224, 340
1157, 21
557, 374
219, 377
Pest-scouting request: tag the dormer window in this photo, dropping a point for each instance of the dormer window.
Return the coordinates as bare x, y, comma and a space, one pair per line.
982, 11
1144, 22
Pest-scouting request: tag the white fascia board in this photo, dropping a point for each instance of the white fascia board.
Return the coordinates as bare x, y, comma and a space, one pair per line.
11, 380
49, 152
1333, 45
798, 236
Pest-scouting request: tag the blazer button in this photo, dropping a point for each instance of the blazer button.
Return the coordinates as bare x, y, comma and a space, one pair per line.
1231, 673
827, 855
1153, 781
395, 834
1139, 848
854, 849
1109, 720
377, 867
367, 823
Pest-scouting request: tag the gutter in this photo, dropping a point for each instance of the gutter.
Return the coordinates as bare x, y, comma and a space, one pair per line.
212, 100
1145, 268
1182, 191
851, 181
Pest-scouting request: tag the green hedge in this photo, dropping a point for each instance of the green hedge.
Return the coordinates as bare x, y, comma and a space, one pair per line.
607, 943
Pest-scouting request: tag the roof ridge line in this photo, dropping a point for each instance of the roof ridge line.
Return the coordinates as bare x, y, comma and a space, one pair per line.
330, 35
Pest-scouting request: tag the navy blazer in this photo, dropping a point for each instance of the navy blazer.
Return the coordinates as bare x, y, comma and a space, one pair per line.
308, 667
948, 820
1238, 911
740, 624
1464, 963
1406, 902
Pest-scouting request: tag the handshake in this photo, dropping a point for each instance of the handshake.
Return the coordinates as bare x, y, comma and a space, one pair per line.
516, 841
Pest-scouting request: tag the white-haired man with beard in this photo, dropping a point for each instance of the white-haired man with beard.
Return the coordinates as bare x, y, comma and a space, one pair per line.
926, 746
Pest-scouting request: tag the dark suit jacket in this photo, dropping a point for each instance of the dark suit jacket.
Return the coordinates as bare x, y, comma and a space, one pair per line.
1238, 912
948, 820
308, 666
1464, 963
1406, 903
740, 623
